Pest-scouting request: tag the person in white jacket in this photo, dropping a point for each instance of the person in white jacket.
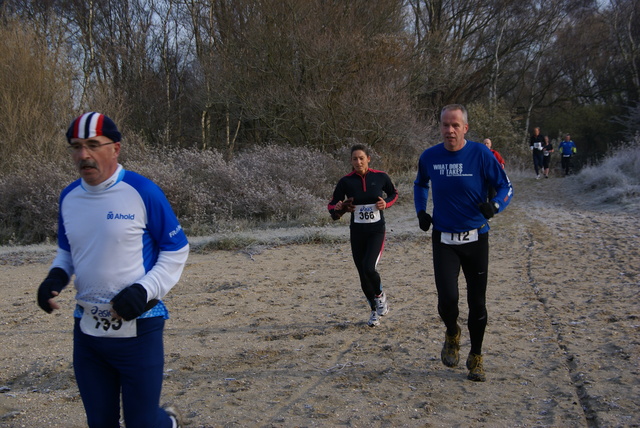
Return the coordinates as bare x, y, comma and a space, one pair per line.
119, 236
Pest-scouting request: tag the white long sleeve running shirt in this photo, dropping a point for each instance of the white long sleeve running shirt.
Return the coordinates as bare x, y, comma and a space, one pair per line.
120, 232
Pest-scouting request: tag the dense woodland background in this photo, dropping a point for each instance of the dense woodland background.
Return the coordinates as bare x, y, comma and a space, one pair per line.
234, 104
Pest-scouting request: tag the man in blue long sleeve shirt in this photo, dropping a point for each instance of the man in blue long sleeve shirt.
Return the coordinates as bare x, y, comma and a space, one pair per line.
460, 173
567, 149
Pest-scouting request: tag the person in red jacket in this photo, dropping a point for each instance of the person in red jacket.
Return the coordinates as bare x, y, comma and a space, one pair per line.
499, 158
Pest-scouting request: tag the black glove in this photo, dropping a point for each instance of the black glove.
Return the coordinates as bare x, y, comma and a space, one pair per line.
424, 220
131, 302
488, 209
55, 281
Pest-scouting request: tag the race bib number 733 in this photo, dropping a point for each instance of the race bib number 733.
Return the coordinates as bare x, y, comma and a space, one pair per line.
97, 321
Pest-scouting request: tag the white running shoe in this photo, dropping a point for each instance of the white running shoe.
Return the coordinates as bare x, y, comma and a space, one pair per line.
174, 414
374, 319
381, 304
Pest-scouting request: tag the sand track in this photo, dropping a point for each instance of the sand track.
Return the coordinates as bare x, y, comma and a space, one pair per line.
276, 336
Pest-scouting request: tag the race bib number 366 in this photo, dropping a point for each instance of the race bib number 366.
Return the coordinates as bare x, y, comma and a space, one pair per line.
459, 238
97, 321
366, 214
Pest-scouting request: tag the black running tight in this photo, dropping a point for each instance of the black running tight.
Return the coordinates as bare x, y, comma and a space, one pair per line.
366, 248
474, 260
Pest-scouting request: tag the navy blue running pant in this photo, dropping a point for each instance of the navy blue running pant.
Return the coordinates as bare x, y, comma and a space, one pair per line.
105, 367
537, 161
473, 258
366, 248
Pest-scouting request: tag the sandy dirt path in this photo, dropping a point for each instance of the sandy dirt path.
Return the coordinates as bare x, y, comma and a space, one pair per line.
276, 336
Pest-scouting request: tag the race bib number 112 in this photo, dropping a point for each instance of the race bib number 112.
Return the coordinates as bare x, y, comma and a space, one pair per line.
459, 238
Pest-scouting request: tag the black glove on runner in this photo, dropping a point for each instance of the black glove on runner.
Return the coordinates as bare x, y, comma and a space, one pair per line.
55, 281
130, 303
424, 220
487, 209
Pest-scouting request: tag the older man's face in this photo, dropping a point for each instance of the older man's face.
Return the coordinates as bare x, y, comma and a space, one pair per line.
96, 158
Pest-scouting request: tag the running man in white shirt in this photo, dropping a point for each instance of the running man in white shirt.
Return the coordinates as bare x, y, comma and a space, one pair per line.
120, 238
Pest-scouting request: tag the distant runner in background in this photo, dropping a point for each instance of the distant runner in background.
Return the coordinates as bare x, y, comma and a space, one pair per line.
547, 149
567, 150
366, 193
487, 142
535, 144
499, 158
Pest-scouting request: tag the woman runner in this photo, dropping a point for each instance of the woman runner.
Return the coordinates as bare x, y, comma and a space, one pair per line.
361, 193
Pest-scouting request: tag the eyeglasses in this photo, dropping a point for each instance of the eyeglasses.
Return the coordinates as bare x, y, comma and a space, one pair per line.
92, 146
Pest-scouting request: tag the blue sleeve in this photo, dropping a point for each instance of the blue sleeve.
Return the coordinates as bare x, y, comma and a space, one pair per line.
162, 224
63, 242
500, 182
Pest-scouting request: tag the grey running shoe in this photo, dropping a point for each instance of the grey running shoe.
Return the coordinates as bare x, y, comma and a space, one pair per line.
374, 319
381, 304
174, 415
450, 350
476, 371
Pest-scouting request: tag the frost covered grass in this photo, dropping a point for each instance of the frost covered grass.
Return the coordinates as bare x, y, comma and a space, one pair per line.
266, 187
612, 184
615, 182
267, 184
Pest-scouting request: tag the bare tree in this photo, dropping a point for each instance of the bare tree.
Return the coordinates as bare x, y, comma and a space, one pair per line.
226, 74
623, 17
300, 72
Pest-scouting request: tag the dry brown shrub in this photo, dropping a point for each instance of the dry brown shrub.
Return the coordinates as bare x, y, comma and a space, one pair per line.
35, 96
